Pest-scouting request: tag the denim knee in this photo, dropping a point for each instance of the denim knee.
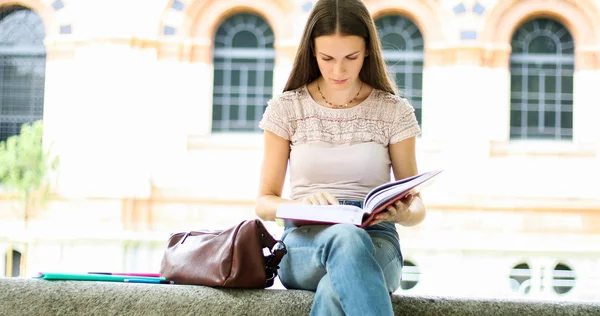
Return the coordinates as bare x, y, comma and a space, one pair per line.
349, 239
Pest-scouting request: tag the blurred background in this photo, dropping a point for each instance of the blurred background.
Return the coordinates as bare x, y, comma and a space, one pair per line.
146, 115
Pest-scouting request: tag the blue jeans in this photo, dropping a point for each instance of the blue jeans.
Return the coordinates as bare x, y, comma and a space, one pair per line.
352, 270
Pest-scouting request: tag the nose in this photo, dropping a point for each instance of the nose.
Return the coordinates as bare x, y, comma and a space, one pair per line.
339, 69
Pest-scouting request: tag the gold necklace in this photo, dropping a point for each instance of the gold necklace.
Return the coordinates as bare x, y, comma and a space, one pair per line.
341, 105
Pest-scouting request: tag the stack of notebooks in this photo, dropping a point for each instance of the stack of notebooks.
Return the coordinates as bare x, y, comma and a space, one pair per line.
152, 278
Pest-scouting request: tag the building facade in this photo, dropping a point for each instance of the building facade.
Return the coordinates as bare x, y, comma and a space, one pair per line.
153, 107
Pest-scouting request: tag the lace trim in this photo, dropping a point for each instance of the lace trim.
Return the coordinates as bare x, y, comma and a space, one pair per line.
316, 128
382, 118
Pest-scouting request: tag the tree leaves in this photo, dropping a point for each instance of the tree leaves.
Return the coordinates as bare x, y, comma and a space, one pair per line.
25, 164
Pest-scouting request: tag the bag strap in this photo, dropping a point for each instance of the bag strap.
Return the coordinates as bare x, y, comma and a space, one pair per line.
272, 262
277, 250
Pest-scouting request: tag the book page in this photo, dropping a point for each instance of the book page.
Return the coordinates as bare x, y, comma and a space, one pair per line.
395, 190
387, 186
386, 195
320, 213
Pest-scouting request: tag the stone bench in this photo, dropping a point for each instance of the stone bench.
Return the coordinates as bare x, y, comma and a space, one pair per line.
39, 297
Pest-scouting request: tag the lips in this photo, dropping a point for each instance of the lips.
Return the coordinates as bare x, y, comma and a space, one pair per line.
339, 81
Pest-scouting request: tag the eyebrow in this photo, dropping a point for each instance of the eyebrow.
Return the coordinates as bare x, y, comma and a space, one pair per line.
356, 52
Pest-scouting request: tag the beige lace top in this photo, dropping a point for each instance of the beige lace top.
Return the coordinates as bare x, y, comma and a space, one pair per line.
342, 151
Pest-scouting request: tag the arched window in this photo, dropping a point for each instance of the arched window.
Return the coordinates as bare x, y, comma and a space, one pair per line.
563, 279
244, 58
22, 69
13, 262
520, 278
402, 44
410, 275
541, 66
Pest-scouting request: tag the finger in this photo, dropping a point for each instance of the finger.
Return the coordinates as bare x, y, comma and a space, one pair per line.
330, 198
393, 214
381, 218
407, 199
321, 199
375, 222
313, 200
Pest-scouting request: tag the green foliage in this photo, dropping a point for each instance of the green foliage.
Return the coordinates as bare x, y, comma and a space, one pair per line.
25, 165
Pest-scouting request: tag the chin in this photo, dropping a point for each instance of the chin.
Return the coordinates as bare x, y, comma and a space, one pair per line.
341, 83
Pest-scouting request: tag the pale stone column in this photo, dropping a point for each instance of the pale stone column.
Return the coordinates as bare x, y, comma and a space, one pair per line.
184, 92
497, 94
585, 98
185, 73
284, 60
455, 120
96, 112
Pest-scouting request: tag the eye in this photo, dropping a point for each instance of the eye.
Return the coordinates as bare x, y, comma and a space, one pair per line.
326, 59
352, 58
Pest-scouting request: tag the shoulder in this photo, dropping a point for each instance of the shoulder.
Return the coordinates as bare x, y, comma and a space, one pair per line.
287, 102
400, 115
281, 113
288, 97
391, 101
390, 105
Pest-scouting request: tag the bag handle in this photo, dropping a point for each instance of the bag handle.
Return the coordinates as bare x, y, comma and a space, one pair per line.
272, 262
277, 250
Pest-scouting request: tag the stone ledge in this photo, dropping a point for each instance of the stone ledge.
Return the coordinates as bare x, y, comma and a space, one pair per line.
40, 297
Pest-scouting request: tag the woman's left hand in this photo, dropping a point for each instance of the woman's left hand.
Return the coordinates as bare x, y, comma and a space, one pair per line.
398, 212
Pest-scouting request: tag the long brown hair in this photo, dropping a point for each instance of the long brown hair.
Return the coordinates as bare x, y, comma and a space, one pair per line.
344, 17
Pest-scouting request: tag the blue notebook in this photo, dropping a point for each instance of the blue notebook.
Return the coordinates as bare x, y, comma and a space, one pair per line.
100, 277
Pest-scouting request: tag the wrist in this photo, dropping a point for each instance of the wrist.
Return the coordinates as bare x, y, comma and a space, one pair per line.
414, 213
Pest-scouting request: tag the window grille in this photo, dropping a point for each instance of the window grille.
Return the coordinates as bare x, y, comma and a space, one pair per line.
520, 278
244, 59
541, 65
403, 45
410, 275
22, 69
563, 279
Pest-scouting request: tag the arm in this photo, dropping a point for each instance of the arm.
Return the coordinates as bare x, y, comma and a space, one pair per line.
272, 176
404, 165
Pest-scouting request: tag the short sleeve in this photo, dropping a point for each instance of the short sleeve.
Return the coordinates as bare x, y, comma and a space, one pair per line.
405, 124
275, 119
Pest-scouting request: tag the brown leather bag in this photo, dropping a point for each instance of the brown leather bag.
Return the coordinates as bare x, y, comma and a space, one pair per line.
231, 258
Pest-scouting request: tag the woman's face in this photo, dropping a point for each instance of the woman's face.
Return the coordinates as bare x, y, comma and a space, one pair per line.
340, 58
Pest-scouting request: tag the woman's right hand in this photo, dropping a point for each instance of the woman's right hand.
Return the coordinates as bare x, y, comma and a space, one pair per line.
320, 198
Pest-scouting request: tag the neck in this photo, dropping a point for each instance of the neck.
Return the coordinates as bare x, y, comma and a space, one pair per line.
339, 95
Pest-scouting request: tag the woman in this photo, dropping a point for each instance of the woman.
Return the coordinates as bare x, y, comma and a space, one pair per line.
340, 126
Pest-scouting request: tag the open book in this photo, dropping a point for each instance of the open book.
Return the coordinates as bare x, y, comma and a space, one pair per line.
377, 200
